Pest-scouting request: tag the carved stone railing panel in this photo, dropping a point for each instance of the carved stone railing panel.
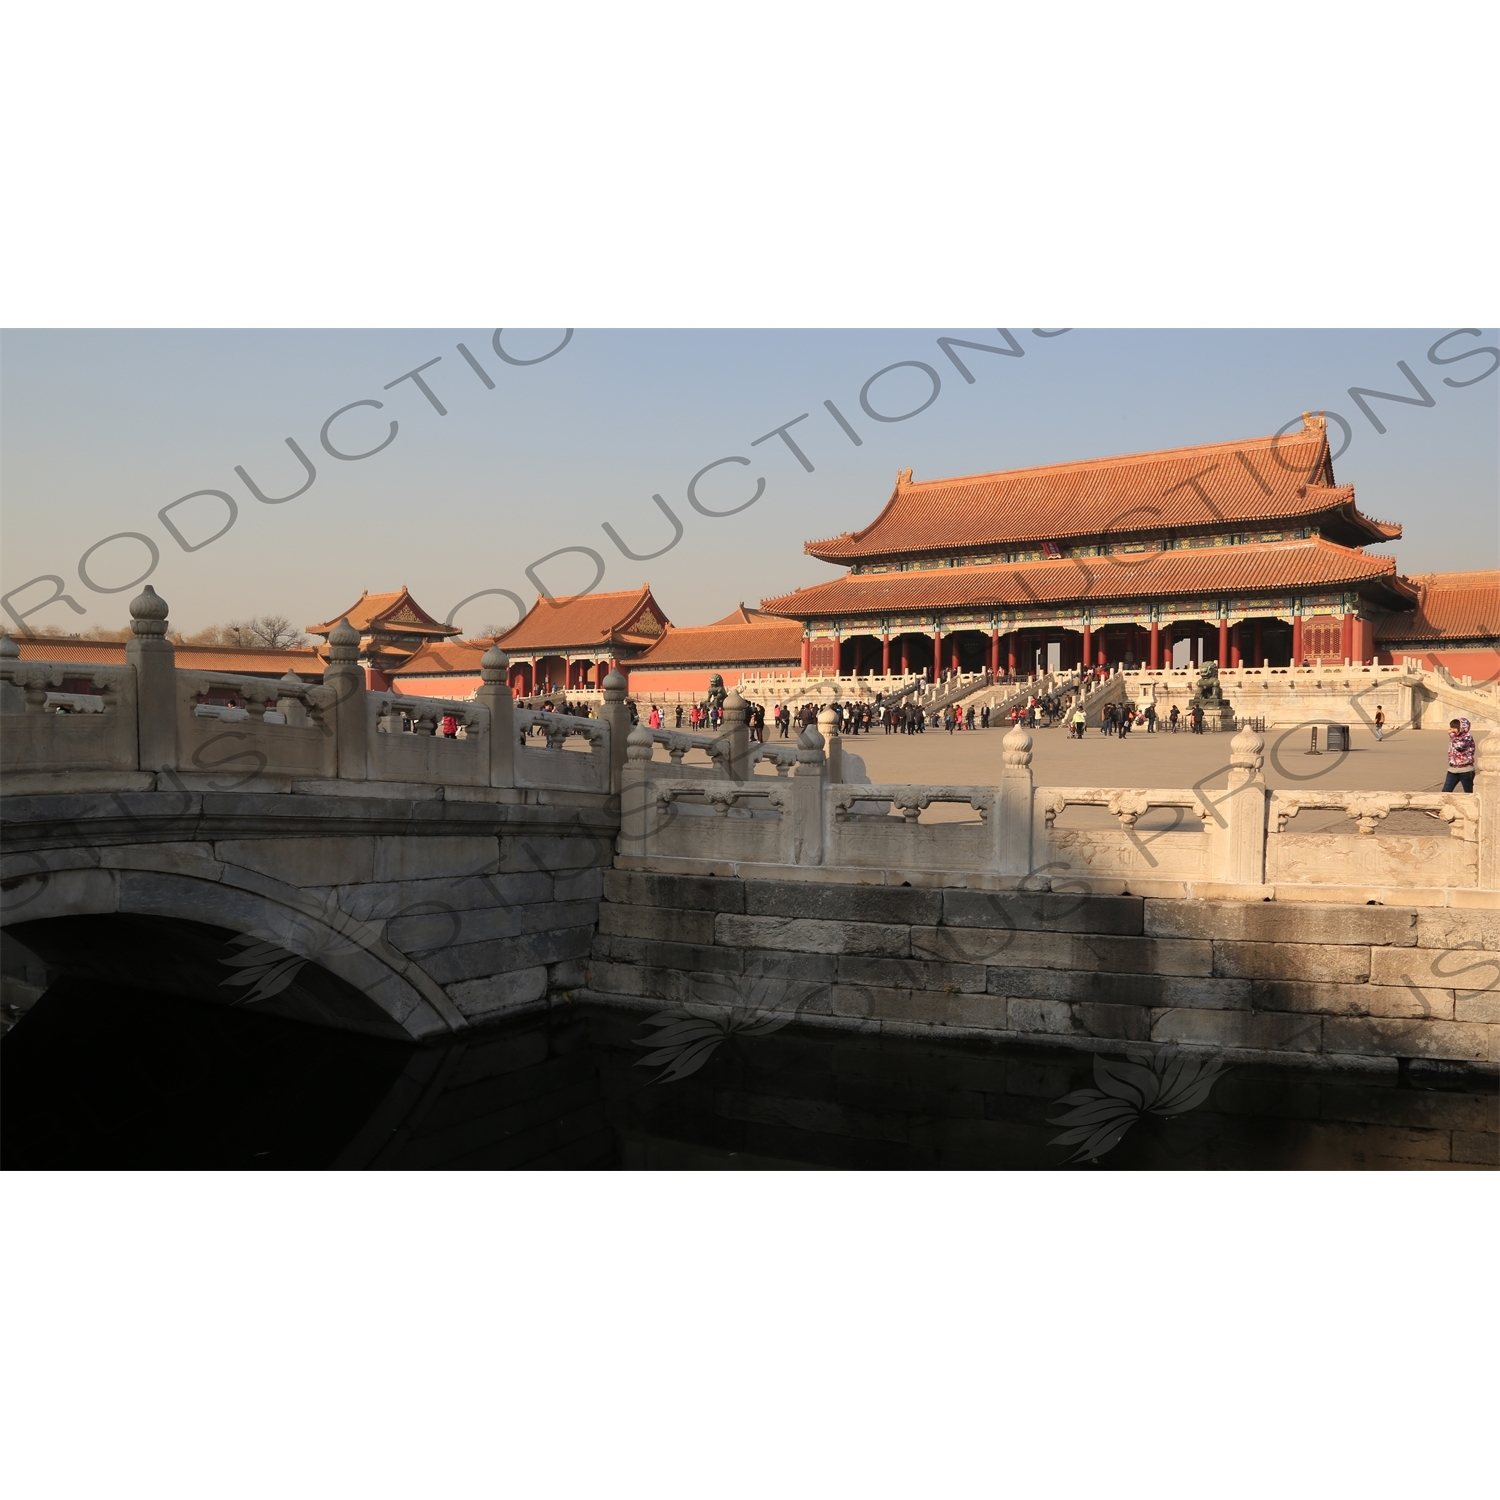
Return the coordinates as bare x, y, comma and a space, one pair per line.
717, 820
678, 743
783, 757
1458, 810
1128, 805
1388, 860
544, 757
422, 754
1157, 855
227, 752
42, 733
912, 801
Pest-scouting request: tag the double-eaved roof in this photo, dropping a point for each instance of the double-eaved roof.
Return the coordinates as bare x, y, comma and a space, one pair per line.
1310, 563
1272, 481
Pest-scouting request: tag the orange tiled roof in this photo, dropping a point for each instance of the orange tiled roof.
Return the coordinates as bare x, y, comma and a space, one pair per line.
439, 658
397, 612
249, 660
1450, 606
630, 617
746, 637
1277, 565
1265, 479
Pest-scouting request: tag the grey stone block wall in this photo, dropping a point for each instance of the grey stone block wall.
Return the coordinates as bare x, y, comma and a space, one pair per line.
1335, 984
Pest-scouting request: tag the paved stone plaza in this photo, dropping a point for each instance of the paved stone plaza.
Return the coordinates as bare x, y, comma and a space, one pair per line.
1407, 759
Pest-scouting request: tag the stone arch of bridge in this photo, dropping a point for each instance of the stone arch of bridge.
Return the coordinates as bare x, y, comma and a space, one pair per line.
274, 933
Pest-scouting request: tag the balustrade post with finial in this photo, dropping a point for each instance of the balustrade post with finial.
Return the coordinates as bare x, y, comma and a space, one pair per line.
833, 744
154, 659
1013, 806
495, 694
737, 732
809, 783
617, 716
1245, 858
347, 679
635, 790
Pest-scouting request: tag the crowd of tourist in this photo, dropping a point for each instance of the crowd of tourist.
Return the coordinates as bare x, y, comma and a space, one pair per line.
1116, 720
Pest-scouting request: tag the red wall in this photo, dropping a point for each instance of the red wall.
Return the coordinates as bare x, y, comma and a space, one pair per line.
643, 680
1482, 663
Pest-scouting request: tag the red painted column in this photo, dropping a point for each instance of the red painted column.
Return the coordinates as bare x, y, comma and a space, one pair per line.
1223, 643
905, 667
1346, 639
1010, 652
885, 656
954, 639
1155, 646
1260, 644
1088, 645
1234, 644
937, 654
1296, 640
994, 653
806, 654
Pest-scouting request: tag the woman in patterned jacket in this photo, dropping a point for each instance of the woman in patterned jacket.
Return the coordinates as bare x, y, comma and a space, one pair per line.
1460, 757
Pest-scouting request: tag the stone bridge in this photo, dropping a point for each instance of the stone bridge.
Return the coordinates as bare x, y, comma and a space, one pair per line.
322, 852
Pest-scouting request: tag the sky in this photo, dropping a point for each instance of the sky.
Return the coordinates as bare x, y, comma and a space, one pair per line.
99, 430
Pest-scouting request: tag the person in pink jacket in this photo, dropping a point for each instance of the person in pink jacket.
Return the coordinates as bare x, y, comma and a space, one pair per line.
1460, 757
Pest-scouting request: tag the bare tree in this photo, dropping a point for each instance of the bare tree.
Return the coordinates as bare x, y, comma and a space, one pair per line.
263, 630
276, 631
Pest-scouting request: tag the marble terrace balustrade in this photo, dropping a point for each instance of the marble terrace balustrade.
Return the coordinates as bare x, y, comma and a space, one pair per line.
752, 814
150, 726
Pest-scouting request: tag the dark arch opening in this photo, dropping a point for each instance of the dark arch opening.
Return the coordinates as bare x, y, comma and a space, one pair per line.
138, 1054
